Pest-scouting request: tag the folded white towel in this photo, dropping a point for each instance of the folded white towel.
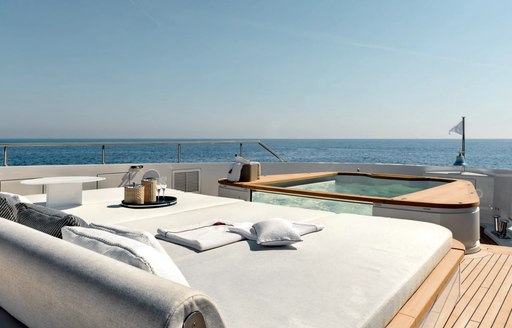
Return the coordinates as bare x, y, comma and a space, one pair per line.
305, 228
200, 237
244, 229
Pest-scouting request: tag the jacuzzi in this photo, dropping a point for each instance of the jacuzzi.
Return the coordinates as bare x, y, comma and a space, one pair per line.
451, 203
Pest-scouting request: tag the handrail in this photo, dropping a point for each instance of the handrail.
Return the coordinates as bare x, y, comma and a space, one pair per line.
267, 148
134, 143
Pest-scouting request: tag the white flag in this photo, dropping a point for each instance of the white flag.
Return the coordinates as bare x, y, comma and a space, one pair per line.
457, 129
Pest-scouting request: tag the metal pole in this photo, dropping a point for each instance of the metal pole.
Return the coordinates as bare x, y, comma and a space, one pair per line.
5, 155
267, 148
102, 154
464, 136
241, 148
179, 153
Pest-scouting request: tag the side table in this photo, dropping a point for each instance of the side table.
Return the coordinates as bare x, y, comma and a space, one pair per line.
63, 191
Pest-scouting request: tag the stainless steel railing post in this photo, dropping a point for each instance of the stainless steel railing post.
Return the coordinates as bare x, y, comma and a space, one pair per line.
103, 154
179, 153
241, 149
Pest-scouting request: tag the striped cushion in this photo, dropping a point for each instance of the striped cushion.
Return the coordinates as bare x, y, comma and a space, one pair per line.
7, 209
15, 197
46, 219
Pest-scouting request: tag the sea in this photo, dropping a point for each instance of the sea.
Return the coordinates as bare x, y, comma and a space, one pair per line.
480, 153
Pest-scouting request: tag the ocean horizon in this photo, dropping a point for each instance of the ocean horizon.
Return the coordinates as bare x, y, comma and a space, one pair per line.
480, 153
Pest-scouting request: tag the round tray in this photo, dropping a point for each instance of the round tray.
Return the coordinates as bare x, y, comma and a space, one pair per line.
166, 201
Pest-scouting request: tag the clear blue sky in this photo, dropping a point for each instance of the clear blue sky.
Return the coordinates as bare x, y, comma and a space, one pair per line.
255, 69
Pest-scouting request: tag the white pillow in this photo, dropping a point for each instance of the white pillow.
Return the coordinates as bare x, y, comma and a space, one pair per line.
126, 250
138, 235
276, 232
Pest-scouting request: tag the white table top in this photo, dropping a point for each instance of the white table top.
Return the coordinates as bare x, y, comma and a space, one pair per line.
62, 180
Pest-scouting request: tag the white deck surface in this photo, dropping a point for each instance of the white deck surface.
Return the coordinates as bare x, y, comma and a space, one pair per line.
103, 205
357, 272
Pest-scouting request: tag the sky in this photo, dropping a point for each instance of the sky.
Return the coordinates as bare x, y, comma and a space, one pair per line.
255, 69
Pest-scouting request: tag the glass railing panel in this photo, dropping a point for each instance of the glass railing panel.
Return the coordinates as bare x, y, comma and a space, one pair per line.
335, 206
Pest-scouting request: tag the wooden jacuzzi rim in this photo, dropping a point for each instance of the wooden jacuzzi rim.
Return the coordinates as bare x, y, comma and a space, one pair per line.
455, 194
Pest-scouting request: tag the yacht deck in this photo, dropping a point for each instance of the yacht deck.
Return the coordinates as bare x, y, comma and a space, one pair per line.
486, 290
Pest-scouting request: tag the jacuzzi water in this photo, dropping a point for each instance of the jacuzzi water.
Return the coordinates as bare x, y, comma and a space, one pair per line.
345, 184
368, 186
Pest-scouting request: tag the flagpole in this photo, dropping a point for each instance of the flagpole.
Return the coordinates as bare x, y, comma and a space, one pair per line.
460, 160
464, 136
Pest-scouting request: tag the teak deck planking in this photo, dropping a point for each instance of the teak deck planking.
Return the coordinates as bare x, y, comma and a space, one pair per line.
414, 310
485, 293
486, 290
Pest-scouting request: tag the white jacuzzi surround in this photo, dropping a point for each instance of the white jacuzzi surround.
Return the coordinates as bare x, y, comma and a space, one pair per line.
464, 223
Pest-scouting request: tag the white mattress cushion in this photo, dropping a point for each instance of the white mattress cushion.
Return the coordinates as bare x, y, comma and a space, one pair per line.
357, 272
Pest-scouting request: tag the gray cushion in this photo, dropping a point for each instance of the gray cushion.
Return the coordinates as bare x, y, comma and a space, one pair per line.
46, 219
8, 203
7, 209
15, 197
